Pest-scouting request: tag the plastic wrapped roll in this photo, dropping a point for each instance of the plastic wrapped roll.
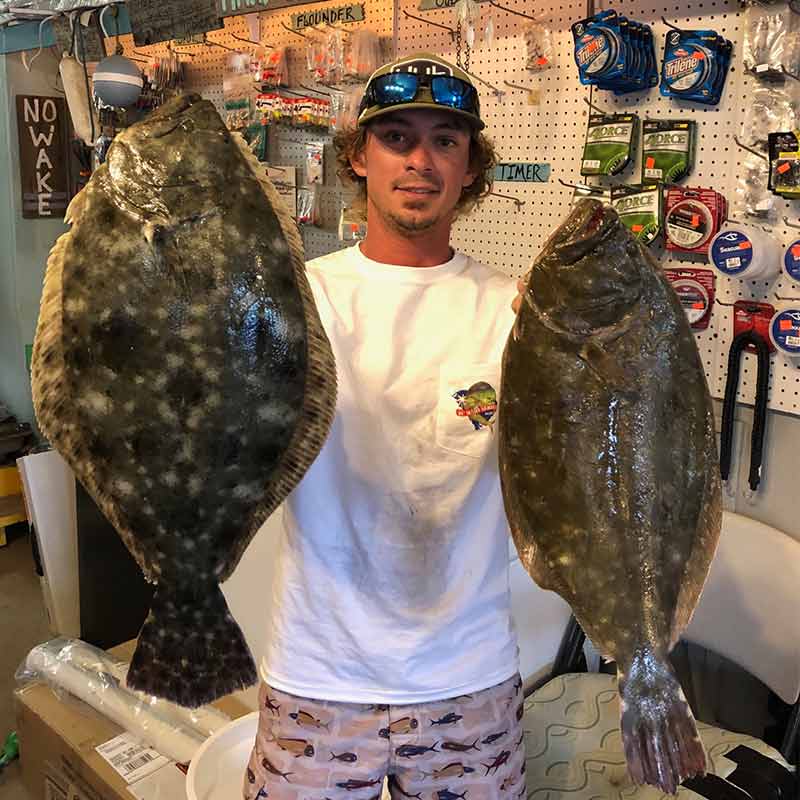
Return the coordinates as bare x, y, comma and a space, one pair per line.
91, 675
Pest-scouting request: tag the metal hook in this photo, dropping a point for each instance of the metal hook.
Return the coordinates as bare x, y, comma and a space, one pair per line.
208, 41
29, 64
435, 24
790, 299
749, 149
517, 202
789, 74
172, 49
582, 187
719, 302
517, 86
317, 91
593, 107
512, 11
670, 25
292, 30
790, 224
250, 41
498, 92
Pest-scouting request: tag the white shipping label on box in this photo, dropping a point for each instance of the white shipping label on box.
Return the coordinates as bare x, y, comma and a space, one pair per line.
130, 758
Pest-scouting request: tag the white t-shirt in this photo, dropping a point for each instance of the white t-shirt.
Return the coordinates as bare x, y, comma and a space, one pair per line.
392, 573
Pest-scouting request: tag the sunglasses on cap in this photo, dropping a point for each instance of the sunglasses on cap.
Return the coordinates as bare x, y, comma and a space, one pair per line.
403, 87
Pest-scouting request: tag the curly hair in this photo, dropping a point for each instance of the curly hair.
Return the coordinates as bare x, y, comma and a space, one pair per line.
349, 142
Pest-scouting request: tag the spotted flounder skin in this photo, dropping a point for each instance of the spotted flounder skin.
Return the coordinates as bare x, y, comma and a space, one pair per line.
181, 369
609, 468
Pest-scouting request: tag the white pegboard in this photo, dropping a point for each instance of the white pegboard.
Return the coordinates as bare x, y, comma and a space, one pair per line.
554, 132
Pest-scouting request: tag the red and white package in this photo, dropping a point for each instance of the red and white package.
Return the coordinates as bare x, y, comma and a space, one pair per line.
692, 218
695, 289
750, 315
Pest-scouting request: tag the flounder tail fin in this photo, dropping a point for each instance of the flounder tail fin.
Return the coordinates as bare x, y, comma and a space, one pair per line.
190, 649
659, 734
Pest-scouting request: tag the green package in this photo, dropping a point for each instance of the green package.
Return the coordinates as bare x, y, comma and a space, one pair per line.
668, 148
610, 142
639, 209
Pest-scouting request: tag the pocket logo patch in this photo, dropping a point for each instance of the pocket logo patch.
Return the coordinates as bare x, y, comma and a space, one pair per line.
478, 404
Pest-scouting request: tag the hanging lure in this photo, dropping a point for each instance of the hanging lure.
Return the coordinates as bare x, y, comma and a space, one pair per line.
467, 15
488, 31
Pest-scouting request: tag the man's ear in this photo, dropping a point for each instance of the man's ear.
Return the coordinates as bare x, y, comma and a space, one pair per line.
469, 179
359, 164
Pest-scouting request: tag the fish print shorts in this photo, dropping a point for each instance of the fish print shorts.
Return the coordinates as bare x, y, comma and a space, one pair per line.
465, 748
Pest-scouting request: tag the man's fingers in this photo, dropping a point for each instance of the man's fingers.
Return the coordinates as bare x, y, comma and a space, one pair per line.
515, 304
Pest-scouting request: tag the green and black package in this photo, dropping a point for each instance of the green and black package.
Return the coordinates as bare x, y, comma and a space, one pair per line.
668, 148
610, 143
639, 209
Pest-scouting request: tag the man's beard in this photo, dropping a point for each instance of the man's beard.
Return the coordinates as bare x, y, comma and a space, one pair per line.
404, 224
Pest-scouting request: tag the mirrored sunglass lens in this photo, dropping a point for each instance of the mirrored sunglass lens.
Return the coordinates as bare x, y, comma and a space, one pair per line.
452, 92
396, 88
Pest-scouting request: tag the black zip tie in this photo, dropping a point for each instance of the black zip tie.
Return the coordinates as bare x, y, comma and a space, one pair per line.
760, 412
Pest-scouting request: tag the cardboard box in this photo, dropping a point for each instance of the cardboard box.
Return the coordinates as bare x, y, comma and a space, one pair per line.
58, 756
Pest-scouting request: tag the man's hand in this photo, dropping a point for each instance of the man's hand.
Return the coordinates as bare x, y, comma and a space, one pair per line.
517, 301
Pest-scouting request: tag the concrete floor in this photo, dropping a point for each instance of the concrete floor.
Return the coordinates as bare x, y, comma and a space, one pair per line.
23, 624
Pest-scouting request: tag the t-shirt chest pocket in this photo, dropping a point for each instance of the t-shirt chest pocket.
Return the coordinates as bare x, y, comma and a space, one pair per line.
466, 411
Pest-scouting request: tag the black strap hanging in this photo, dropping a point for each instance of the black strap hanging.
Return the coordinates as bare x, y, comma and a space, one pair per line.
760, 412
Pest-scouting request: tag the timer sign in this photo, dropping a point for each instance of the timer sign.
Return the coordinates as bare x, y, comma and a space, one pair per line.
43, 156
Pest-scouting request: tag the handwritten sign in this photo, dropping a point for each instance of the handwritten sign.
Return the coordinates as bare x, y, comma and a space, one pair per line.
522, 172
161, 20
328, 16
43, 156
230, 8
432, 5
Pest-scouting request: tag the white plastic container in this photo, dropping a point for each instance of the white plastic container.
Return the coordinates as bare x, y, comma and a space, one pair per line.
218, 767
784, 329
791, 262
747, 252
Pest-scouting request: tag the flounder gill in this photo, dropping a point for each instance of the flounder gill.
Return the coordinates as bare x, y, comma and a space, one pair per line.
181, 369
608, 464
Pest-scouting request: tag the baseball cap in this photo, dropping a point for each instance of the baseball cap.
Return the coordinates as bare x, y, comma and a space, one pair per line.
420, 80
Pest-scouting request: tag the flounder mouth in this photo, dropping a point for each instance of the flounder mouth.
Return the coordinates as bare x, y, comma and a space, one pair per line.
594, 223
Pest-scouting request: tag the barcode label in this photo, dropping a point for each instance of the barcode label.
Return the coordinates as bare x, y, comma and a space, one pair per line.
652, 172
591, 163
793, 341
733, 262
130, 758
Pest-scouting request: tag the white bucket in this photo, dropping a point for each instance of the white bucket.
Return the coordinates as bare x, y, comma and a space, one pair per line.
217, 769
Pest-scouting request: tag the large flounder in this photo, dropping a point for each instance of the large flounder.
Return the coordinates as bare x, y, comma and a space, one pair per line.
609, 470
181, 369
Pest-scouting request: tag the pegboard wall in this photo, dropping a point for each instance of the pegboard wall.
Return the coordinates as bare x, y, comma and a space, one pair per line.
550, 129
553, 130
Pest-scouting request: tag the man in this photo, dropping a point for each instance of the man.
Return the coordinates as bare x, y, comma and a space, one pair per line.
392, 649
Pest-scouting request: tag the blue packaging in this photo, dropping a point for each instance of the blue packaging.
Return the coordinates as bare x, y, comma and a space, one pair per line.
615, 53
599, 49
695, 66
